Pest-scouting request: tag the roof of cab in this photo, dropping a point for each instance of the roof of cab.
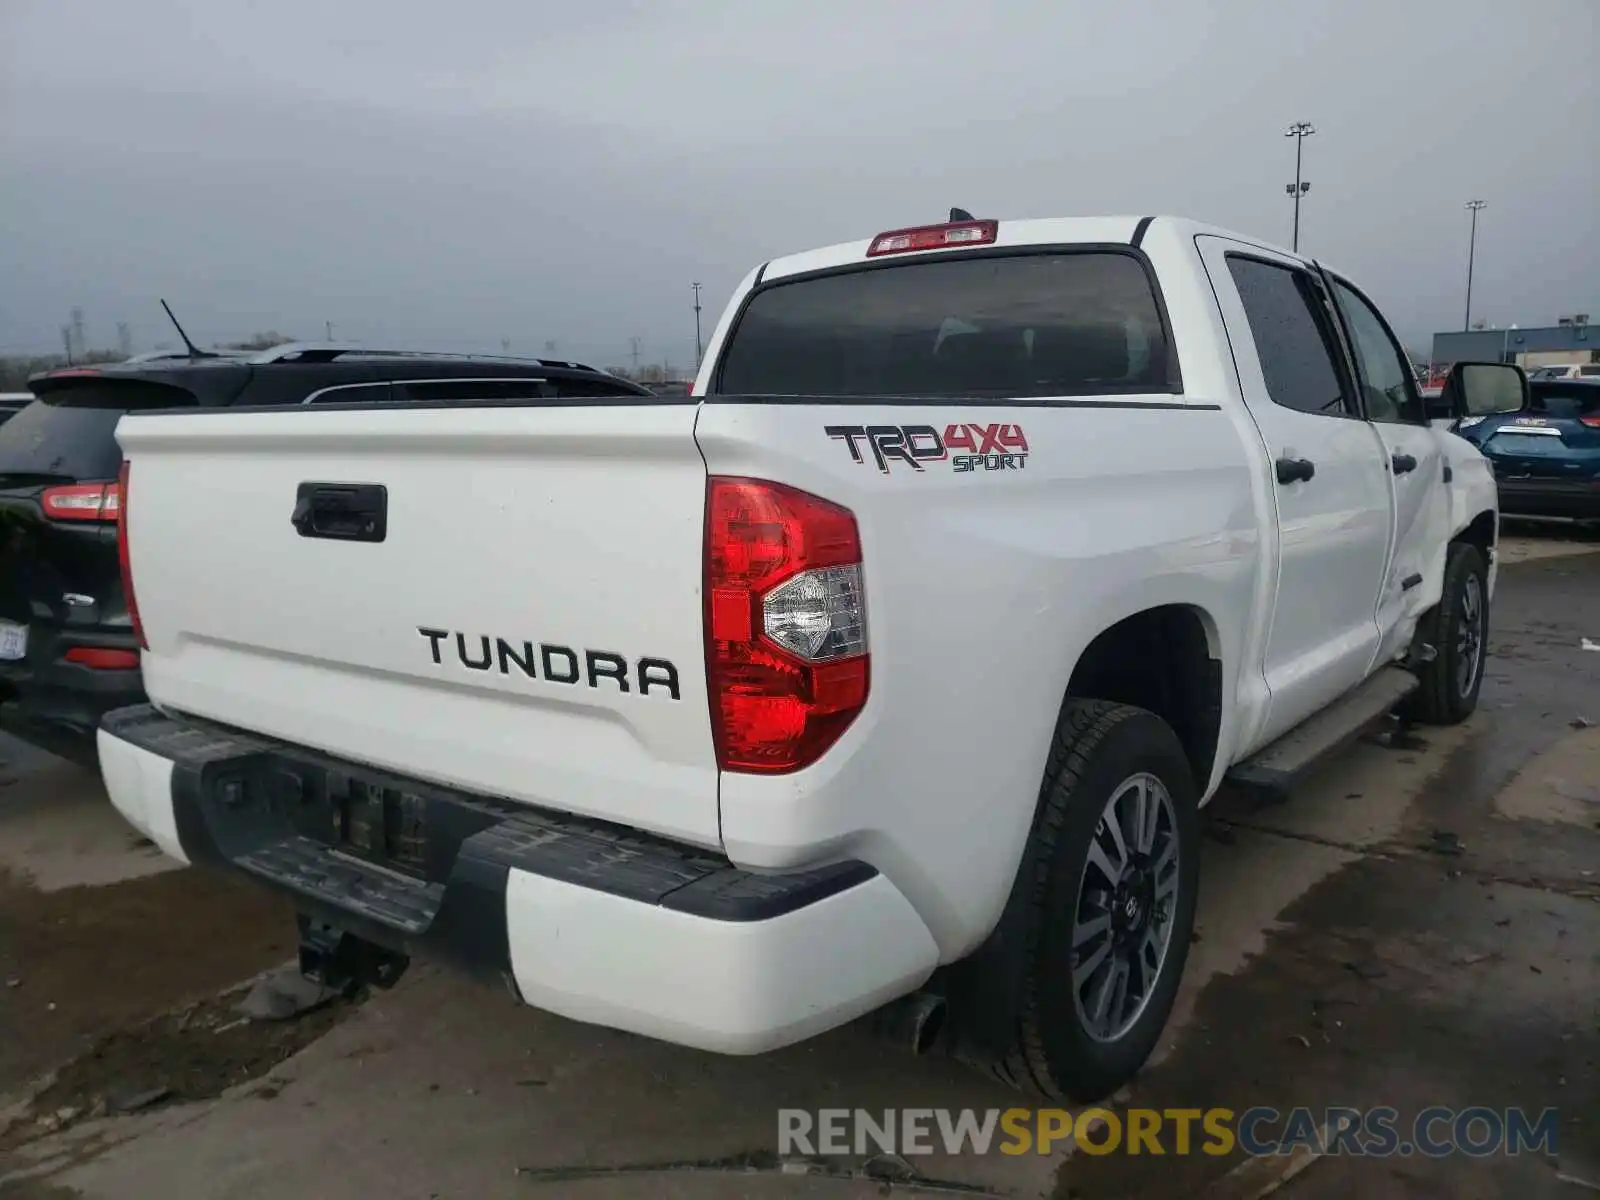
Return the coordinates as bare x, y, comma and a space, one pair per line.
1037, 231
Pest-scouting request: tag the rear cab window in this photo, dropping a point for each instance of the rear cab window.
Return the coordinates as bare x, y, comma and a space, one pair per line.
986, 325
69, 433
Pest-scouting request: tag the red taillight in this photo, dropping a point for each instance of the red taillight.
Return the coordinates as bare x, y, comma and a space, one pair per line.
935, 237
82, 502
124, 562
103, 660
1592, 422
786, 627
73, 373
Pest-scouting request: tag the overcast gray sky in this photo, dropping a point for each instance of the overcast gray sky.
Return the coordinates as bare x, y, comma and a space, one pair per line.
466, 171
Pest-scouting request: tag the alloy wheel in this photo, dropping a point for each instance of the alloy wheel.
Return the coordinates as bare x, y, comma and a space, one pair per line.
1127, 897
1469, 636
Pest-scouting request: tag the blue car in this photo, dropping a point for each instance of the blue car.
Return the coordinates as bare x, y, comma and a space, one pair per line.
1546, 458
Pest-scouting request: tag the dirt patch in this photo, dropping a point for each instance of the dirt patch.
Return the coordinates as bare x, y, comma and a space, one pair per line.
195, 1054
1523, 540
1561, 785
79, 964
34, 1189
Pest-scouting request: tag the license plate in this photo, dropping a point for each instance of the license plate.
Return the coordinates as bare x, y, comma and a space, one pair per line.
380, 824
13, 641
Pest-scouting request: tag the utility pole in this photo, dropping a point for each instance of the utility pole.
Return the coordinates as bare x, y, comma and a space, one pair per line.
696, 288
1299, 131
327, 329
1475, 206
124, 340
635, 342
550, 349
505, 345
77, 330
66, 341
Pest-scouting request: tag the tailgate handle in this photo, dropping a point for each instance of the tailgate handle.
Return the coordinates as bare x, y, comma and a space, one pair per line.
346, 512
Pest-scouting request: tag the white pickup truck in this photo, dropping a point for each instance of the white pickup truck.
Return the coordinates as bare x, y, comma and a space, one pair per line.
886, 672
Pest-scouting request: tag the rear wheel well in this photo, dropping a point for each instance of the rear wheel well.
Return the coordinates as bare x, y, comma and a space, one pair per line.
1164, 660
1160, 660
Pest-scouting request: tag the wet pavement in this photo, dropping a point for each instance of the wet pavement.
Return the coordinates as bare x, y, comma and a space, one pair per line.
1455, 962
1420, 927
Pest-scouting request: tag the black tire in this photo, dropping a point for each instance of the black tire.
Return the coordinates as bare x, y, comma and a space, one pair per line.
1443, 699
1098, 748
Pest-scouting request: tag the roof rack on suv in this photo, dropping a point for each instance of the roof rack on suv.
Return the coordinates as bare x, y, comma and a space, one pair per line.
330, 351
170, 355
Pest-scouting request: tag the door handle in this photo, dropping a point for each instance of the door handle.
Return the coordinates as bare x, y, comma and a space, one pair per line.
1402, 463
1295, 470
345, 512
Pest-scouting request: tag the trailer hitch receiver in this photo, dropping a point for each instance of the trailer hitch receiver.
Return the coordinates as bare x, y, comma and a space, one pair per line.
343, 962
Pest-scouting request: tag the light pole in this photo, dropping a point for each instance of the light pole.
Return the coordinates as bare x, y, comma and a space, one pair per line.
696, 288
1472, 249
1299, 131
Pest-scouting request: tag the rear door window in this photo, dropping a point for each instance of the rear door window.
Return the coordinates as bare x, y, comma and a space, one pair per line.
1294, 337
992, 326
71, 433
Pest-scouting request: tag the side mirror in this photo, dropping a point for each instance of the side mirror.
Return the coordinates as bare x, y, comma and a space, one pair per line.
1481, 389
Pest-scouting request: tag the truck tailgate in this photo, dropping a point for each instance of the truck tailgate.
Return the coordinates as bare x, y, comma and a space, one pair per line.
529, 626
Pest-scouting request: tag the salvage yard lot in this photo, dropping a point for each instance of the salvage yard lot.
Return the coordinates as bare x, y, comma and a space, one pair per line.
1420, 927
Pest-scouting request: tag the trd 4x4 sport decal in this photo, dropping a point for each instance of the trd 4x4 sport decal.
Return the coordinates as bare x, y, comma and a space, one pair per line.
998, 447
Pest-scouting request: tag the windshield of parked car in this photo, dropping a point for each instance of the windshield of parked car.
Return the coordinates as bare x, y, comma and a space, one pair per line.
1041, 324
